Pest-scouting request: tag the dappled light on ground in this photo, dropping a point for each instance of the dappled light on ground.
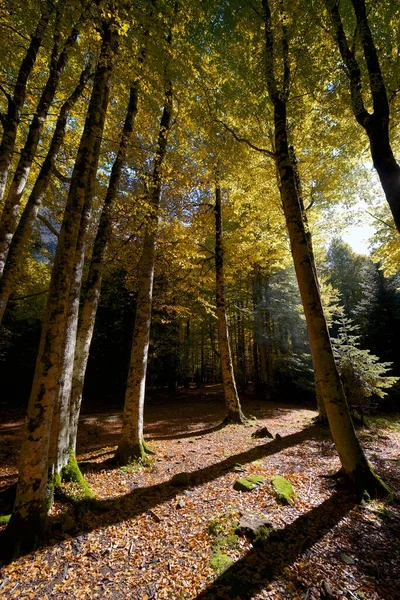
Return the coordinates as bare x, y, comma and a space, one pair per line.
148, 538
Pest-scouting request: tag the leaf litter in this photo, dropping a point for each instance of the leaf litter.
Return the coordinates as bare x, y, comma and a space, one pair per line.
148, 539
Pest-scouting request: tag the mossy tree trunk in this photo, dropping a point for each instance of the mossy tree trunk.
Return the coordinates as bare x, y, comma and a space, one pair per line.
29, 518
131, 445
355, 466
60, 450
232, 402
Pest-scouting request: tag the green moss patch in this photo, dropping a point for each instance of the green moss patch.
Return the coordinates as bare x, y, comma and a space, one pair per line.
246, 484
4, 519
223, 528
220, 562
283, 489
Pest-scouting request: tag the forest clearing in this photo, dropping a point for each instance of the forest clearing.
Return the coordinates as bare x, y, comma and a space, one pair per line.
199, 370
151, 539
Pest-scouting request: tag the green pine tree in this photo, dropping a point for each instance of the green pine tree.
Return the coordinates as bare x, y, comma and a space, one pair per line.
364, 376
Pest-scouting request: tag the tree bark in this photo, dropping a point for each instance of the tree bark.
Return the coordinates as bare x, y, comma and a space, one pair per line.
29, 518
95, 276
232, 402
355, 466
376, 123
60, 451
9, 216
131, 445
12, 118
30, 212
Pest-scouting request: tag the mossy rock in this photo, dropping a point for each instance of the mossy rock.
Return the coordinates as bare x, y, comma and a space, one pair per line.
181, 479
246, 484
283, 489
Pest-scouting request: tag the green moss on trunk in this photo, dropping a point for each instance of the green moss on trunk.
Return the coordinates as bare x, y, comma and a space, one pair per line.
72, 473
147, 448
127, 453
367, 484
234, 418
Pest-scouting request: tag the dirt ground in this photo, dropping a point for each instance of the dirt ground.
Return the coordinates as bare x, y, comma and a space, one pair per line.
149, 539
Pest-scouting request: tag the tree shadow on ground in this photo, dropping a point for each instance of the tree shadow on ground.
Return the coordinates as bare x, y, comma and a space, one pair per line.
188, 434
261, 565
140, 500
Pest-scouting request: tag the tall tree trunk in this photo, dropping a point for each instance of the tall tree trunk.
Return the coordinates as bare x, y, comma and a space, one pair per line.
232, 402
355, 466
9, 216
12, 118
376, 123
30, 212
95, 276
131, 445
29, 518
322, 416
261, 327
59, 452
241, 347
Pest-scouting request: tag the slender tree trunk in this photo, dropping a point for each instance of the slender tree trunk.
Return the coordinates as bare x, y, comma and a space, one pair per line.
29, 518
241, 347
262, 334
355, 466
232, 402
322, 416
30, 212
131, 445
15, 103
95, 276
9, 216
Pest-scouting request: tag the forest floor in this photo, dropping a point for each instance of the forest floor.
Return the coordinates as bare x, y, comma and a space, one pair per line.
148, 539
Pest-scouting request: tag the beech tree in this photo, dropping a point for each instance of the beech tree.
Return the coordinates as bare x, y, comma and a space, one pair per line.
132, 445
29, 518
232, 402
376, 123
15, 100
58, 60
355, 466
23, 232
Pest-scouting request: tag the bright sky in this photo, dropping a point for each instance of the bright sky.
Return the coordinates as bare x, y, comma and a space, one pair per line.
358, 237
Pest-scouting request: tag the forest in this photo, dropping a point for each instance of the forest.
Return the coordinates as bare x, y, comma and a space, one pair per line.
199, 369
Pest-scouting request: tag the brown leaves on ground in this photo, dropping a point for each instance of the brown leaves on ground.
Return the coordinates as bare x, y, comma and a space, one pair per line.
147, 539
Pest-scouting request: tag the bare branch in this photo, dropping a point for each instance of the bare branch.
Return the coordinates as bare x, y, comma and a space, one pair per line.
60, 176
49, 226
246, 141
31, 295
390, 225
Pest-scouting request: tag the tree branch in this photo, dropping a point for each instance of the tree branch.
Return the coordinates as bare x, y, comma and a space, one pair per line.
47, 223
246, 141
60, 176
